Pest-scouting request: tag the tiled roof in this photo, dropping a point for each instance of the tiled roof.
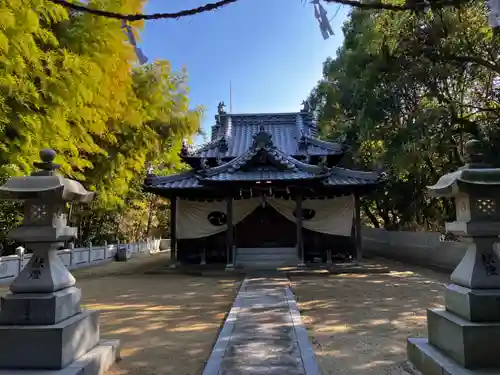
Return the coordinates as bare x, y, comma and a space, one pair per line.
185, 180
342, 177
286, 130
262, 160
263, 145
335, 177
262, 174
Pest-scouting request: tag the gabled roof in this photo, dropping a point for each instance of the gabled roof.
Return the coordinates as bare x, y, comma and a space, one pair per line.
287, 131
263, 160
281, 166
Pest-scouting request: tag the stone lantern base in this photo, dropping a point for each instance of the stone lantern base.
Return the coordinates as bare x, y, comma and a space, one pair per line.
462, 337
40, 332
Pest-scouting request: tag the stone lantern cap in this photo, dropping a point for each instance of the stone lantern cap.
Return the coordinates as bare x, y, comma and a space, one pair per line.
474, 173
45, 184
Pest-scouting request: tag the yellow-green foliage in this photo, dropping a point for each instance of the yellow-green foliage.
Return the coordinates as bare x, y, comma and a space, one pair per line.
71, 82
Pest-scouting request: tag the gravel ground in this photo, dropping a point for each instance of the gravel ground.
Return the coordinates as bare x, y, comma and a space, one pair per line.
359, 323
167, 324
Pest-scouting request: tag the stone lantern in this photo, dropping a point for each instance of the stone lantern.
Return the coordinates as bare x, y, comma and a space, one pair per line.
463, 337
42, 326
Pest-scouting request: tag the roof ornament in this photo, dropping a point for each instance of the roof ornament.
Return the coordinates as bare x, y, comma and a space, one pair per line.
185, 148
218, 159
262, 139
48, 168
222, 145
150, 170
306, 106
473, 156
220, 112
221, 108
303, 143
204, 163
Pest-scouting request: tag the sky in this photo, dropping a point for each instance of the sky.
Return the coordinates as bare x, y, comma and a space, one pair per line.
271, 51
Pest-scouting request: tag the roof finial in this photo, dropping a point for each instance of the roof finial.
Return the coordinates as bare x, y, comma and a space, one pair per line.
473, 154
150, 170
221, 108
262, 139
306, 106
47, 156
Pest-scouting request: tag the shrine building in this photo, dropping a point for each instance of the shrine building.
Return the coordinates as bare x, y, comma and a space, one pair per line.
264, 192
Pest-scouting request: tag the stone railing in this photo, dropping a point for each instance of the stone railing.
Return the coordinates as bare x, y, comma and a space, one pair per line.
81, 257
425, 249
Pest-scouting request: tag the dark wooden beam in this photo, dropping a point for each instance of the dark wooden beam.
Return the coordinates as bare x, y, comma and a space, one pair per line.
229, 231
309, 190
357, 227
298, 218
173, 229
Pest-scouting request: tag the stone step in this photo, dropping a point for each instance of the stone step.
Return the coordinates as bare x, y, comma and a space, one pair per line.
268, 250
262, 265
48, 346
430, 360
468, 343
266, 257
95, 362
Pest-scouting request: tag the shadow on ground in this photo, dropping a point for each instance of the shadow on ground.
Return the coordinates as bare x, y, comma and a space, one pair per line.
167, 324
359, 323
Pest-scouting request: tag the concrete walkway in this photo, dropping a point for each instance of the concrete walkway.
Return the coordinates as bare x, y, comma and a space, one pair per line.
263, 333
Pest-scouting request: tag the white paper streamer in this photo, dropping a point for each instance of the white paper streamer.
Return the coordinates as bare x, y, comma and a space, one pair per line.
324, 23
127, 29
493, 13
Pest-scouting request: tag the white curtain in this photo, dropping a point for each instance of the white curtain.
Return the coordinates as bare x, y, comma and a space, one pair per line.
192, 216
332, 216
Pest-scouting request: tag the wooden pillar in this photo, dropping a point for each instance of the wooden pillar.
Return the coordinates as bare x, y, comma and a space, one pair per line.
357, 227
173, 229
298, 220
229, 231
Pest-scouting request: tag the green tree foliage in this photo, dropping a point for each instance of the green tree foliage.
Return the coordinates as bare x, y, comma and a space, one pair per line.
407, 90
70, 81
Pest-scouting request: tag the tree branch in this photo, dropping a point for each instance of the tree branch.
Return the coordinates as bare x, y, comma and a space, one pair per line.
138, 16
475, 60
408, 6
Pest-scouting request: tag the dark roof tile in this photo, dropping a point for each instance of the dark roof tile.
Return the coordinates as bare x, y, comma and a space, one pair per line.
286, 130
341, 176
185, 180
262, 174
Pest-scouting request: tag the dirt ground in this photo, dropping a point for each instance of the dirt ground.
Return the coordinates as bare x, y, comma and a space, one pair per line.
359, 323
167, 324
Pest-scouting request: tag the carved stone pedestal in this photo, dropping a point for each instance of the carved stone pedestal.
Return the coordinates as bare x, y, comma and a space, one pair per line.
462, 336
50, 331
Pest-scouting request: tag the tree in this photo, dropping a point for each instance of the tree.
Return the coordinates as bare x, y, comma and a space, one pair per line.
69, 81
407, 90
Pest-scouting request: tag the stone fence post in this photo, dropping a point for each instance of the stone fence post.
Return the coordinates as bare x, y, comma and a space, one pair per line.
90, 252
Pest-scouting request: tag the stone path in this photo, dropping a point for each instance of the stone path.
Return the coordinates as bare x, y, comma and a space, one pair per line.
263, 333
